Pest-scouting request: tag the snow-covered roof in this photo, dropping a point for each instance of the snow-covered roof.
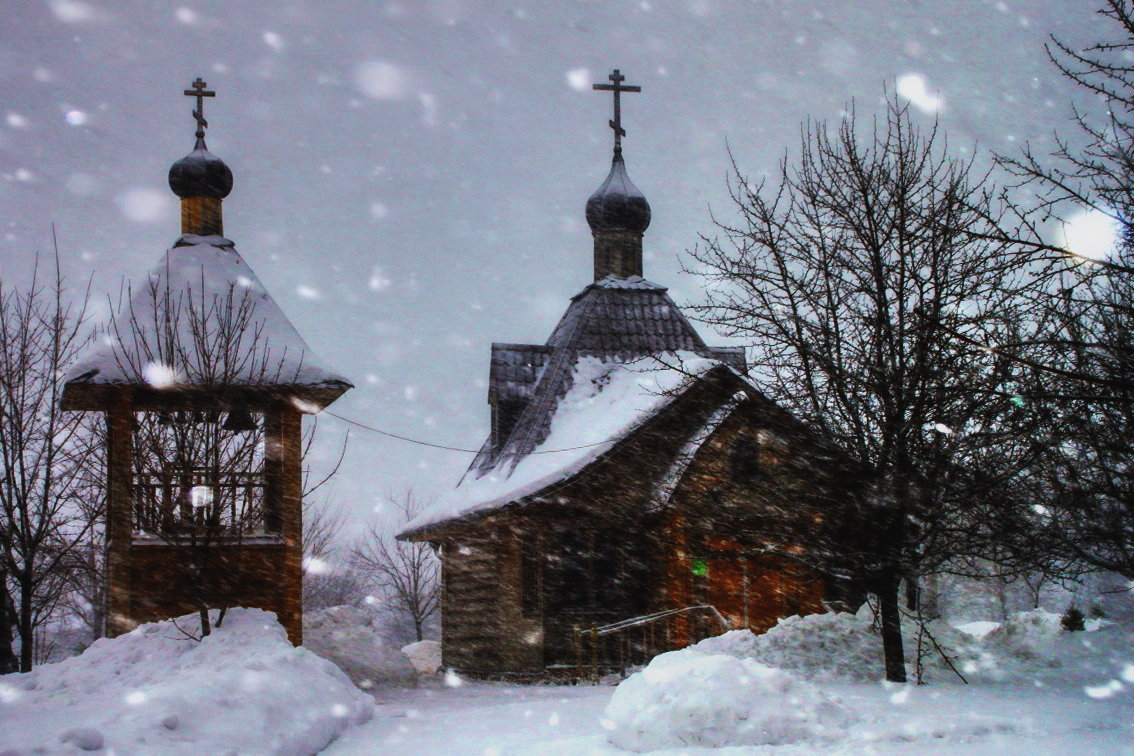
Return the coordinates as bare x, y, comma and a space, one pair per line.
605, 403
616, 319
201, 317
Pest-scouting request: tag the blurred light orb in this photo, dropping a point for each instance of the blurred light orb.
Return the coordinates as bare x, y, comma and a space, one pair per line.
72, 11
315, 565
579, 79
915, 88
200, 496
159, 375
381, 80
146, 205
76, 117
1091, 234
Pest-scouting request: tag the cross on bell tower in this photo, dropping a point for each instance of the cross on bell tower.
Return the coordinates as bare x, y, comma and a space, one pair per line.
200, 179
617, 88
200, 93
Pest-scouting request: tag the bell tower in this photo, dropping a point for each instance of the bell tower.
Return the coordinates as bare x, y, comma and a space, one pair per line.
203, 382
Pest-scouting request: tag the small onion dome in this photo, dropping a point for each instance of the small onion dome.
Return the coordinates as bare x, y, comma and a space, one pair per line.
200, 174
618, 205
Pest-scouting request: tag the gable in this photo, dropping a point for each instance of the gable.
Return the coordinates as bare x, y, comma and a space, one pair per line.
513, 371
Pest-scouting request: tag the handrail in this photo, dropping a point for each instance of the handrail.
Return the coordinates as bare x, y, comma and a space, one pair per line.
598, 632
636, 621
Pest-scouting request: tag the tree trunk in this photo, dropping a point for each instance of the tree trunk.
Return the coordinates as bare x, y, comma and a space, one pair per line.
930, 595
8, 660
203, 613
417, 628
888, 589
913, 593
27, 627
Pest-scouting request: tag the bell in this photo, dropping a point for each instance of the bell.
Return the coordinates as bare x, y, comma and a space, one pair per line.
239, 421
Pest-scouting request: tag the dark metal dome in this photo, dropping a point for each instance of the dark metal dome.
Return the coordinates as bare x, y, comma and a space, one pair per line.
618, 205
200, 174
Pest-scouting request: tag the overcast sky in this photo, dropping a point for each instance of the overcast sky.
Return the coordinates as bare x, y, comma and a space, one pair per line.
410, 177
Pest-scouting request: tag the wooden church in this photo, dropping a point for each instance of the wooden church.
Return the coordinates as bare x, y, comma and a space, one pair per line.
636, 492
203, 382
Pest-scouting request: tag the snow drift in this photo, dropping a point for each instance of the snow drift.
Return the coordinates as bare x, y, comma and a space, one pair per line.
841, 647
1025, 635
425, 656
244, 689
689, 699
349, 637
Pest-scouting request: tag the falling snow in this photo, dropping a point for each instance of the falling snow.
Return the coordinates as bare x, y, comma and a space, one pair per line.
411, 176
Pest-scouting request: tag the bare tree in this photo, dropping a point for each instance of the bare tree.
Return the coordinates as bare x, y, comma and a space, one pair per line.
1081, 350
326, 582
41, 456
85, 599
839, 276
407, 574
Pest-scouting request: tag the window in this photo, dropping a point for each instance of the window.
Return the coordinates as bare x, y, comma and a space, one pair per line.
745, 459
531, 577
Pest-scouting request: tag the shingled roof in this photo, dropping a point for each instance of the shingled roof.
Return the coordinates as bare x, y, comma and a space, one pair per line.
614, 319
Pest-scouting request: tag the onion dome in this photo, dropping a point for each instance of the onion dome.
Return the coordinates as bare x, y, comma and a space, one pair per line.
618, 205
200, 174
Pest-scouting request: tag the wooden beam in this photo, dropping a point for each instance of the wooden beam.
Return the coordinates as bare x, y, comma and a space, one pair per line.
291, 501
119, 514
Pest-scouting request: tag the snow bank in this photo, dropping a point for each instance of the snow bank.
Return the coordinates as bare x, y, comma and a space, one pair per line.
244, 689
425, 656
688, 699
841, 647
1026, 635
349, 637
1033, 645
978, 629
1029, 645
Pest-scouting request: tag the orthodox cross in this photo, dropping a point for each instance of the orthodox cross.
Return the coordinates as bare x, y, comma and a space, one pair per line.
200, 93
618, 88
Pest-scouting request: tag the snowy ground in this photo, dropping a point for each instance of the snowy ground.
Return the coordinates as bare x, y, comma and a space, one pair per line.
499, 718
808, 684
1035, 689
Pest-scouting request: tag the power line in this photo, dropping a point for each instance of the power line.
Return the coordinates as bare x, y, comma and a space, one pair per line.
407, 439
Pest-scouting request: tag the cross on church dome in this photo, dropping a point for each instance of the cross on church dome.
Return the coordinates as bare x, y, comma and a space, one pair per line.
617, 88
618, 212
198, 90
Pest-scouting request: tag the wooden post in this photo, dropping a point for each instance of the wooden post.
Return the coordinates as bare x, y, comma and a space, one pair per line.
119, 514
291, 488
273, 471
578, 652
594, 653
283, 509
